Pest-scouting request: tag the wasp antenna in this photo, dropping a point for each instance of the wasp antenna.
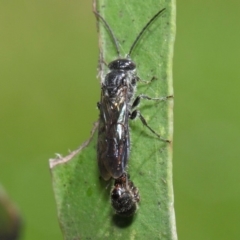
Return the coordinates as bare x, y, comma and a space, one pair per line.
143, 30
110, 31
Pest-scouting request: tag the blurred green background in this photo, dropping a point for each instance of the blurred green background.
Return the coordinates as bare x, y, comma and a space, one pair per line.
48, 95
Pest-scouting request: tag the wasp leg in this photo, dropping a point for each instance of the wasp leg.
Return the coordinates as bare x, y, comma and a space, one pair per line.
137, 113
142, 96
147, 82
99, 105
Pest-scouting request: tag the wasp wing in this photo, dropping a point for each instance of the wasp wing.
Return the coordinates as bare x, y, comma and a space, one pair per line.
113, 135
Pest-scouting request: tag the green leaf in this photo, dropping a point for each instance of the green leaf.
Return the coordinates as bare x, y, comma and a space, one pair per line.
83, 199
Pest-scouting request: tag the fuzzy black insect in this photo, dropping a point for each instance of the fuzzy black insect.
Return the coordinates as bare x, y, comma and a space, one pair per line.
116, 107
124, 196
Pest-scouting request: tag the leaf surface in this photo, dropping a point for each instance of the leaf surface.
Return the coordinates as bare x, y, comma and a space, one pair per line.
83, 199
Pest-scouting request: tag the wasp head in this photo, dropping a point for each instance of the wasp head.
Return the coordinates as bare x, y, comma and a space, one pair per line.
122, 64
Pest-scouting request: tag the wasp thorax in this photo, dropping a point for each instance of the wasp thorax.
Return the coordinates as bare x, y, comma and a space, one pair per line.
123, 64
114, 81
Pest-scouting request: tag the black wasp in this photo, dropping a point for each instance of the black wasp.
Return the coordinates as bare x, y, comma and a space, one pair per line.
116, 108
124, 196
